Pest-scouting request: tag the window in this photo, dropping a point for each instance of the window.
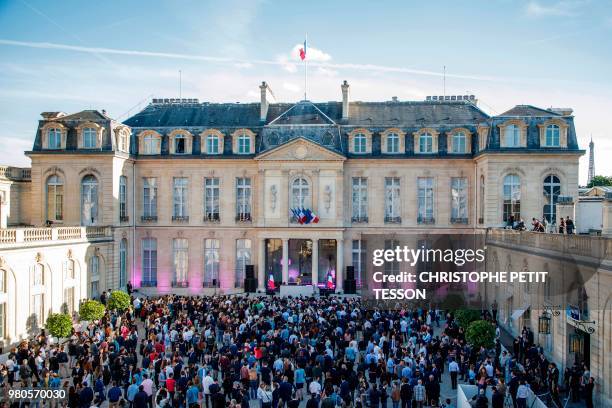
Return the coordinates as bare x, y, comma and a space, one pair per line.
212, 144
179, 197
54, 138
211, 199
393, 143
211, 263
89, 200
180, 248
459, 211
512, 136
482, 200
123, 249
123, 216
38, 278
69, 272
89, 138
94, 276
124, 141
392, 200
552, 136
3, 287
243, 258
149, 209
552, 190
149, 262
37, 308
179, 144
300, 193
69, 300
244, 144
243, 199
426, 143
459, 142
151, 144
2, 320
360, 199
425, 200
359, 259
512, 198
55, 199
360, 143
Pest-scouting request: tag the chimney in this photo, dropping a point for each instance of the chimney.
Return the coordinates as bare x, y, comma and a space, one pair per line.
345, 100
265, 101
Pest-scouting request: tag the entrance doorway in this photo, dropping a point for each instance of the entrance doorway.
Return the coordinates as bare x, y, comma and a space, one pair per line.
274, 267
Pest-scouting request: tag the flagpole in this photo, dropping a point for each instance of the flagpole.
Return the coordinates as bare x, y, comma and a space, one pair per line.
305, 65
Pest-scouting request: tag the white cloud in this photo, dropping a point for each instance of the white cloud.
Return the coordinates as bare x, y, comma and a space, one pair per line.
312, 54
291, 87
562, 8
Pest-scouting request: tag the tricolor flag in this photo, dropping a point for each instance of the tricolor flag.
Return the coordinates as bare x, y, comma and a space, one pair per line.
303, 52
271, 284
330, 281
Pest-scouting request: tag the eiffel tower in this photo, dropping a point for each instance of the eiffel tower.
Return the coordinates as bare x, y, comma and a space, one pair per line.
591, 160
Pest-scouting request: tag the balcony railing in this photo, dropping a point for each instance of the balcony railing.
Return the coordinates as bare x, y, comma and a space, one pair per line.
180, 284
455, 220
212, 217
148, 218
10, 236
180, 218
359, 219
15, 173
393, 220
243, 217
426, 220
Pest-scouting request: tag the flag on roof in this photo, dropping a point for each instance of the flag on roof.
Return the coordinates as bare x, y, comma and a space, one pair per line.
303, 52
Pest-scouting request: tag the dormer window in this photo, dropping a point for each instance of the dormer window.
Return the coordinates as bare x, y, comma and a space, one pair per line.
124, 145
179, 144
359, 143
459, 142
150, 143
54, 138
512, 136
89, 138
212, 144
553, 138
393, 143
426, 143
244, 144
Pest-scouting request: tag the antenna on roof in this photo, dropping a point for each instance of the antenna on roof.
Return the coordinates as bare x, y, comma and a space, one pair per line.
180, 84
444, 82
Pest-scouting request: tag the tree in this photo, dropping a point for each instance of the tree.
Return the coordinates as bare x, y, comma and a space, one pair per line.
480, 333
118, 300
91, 310
600, 181
59, 325
466, 316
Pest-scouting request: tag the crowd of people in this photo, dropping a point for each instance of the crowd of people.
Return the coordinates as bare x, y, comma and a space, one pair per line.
273, 352
565, 226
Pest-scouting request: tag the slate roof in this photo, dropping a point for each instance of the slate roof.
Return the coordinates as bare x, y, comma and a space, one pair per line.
528, 110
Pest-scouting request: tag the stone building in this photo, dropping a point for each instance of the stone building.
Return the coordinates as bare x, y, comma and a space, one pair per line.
182, 196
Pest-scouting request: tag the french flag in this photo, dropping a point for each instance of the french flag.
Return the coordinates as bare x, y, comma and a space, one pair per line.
303, 52
271, 284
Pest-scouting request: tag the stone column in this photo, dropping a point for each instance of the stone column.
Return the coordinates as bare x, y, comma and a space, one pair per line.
315, 262
285, 278
339, 264
607, 216
261, 265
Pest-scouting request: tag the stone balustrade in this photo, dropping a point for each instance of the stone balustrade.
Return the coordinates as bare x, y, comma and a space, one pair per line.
580, 245
15, 173
10, 237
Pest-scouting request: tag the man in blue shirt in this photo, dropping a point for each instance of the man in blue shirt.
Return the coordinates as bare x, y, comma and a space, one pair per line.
192, 395
132, 391
114, 395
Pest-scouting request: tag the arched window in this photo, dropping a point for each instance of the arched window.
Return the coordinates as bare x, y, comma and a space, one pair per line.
244, 144
55, 198
54, 138
89, 200
124, 140
94, 276
149, 262
359, 143
393, 143
552, 190
123, 263
180, 144
180, 249
512, 197
426, 143
552, 136
37, 299
211, 263
243, 258
459, 142
89, 138
512, 136
212, 144
300, 193
151, 144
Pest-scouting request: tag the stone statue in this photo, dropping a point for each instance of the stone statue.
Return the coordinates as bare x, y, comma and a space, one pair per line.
327, 197
273, 194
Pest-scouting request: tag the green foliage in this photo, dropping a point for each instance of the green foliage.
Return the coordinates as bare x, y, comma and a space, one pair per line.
600, 181
466, 316
480, 333
91, 310
118, 300
59, 325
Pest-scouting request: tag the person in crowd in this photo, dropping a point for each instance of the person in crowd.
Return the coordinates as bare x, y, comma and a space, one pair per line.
569, 225
562, 226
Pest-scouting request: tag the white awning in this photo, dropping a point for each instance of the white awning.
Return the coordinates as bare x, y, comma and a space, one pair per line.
519, 312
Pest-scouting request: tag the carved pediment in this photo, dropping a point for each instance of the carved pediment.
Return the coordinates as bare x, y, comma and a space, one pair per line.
301, 149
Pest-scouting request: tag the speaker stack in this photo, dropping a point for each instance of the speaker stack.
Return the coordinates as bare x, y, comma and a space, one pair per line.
350, 284
250, 282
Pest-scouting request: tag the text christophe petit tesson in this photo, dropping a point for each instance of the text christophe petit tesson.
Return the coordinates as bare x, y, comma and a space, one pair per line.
408, 282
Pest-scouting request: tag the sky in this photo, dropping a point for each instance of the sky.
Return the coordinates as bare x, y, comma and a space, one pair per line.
116, 55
